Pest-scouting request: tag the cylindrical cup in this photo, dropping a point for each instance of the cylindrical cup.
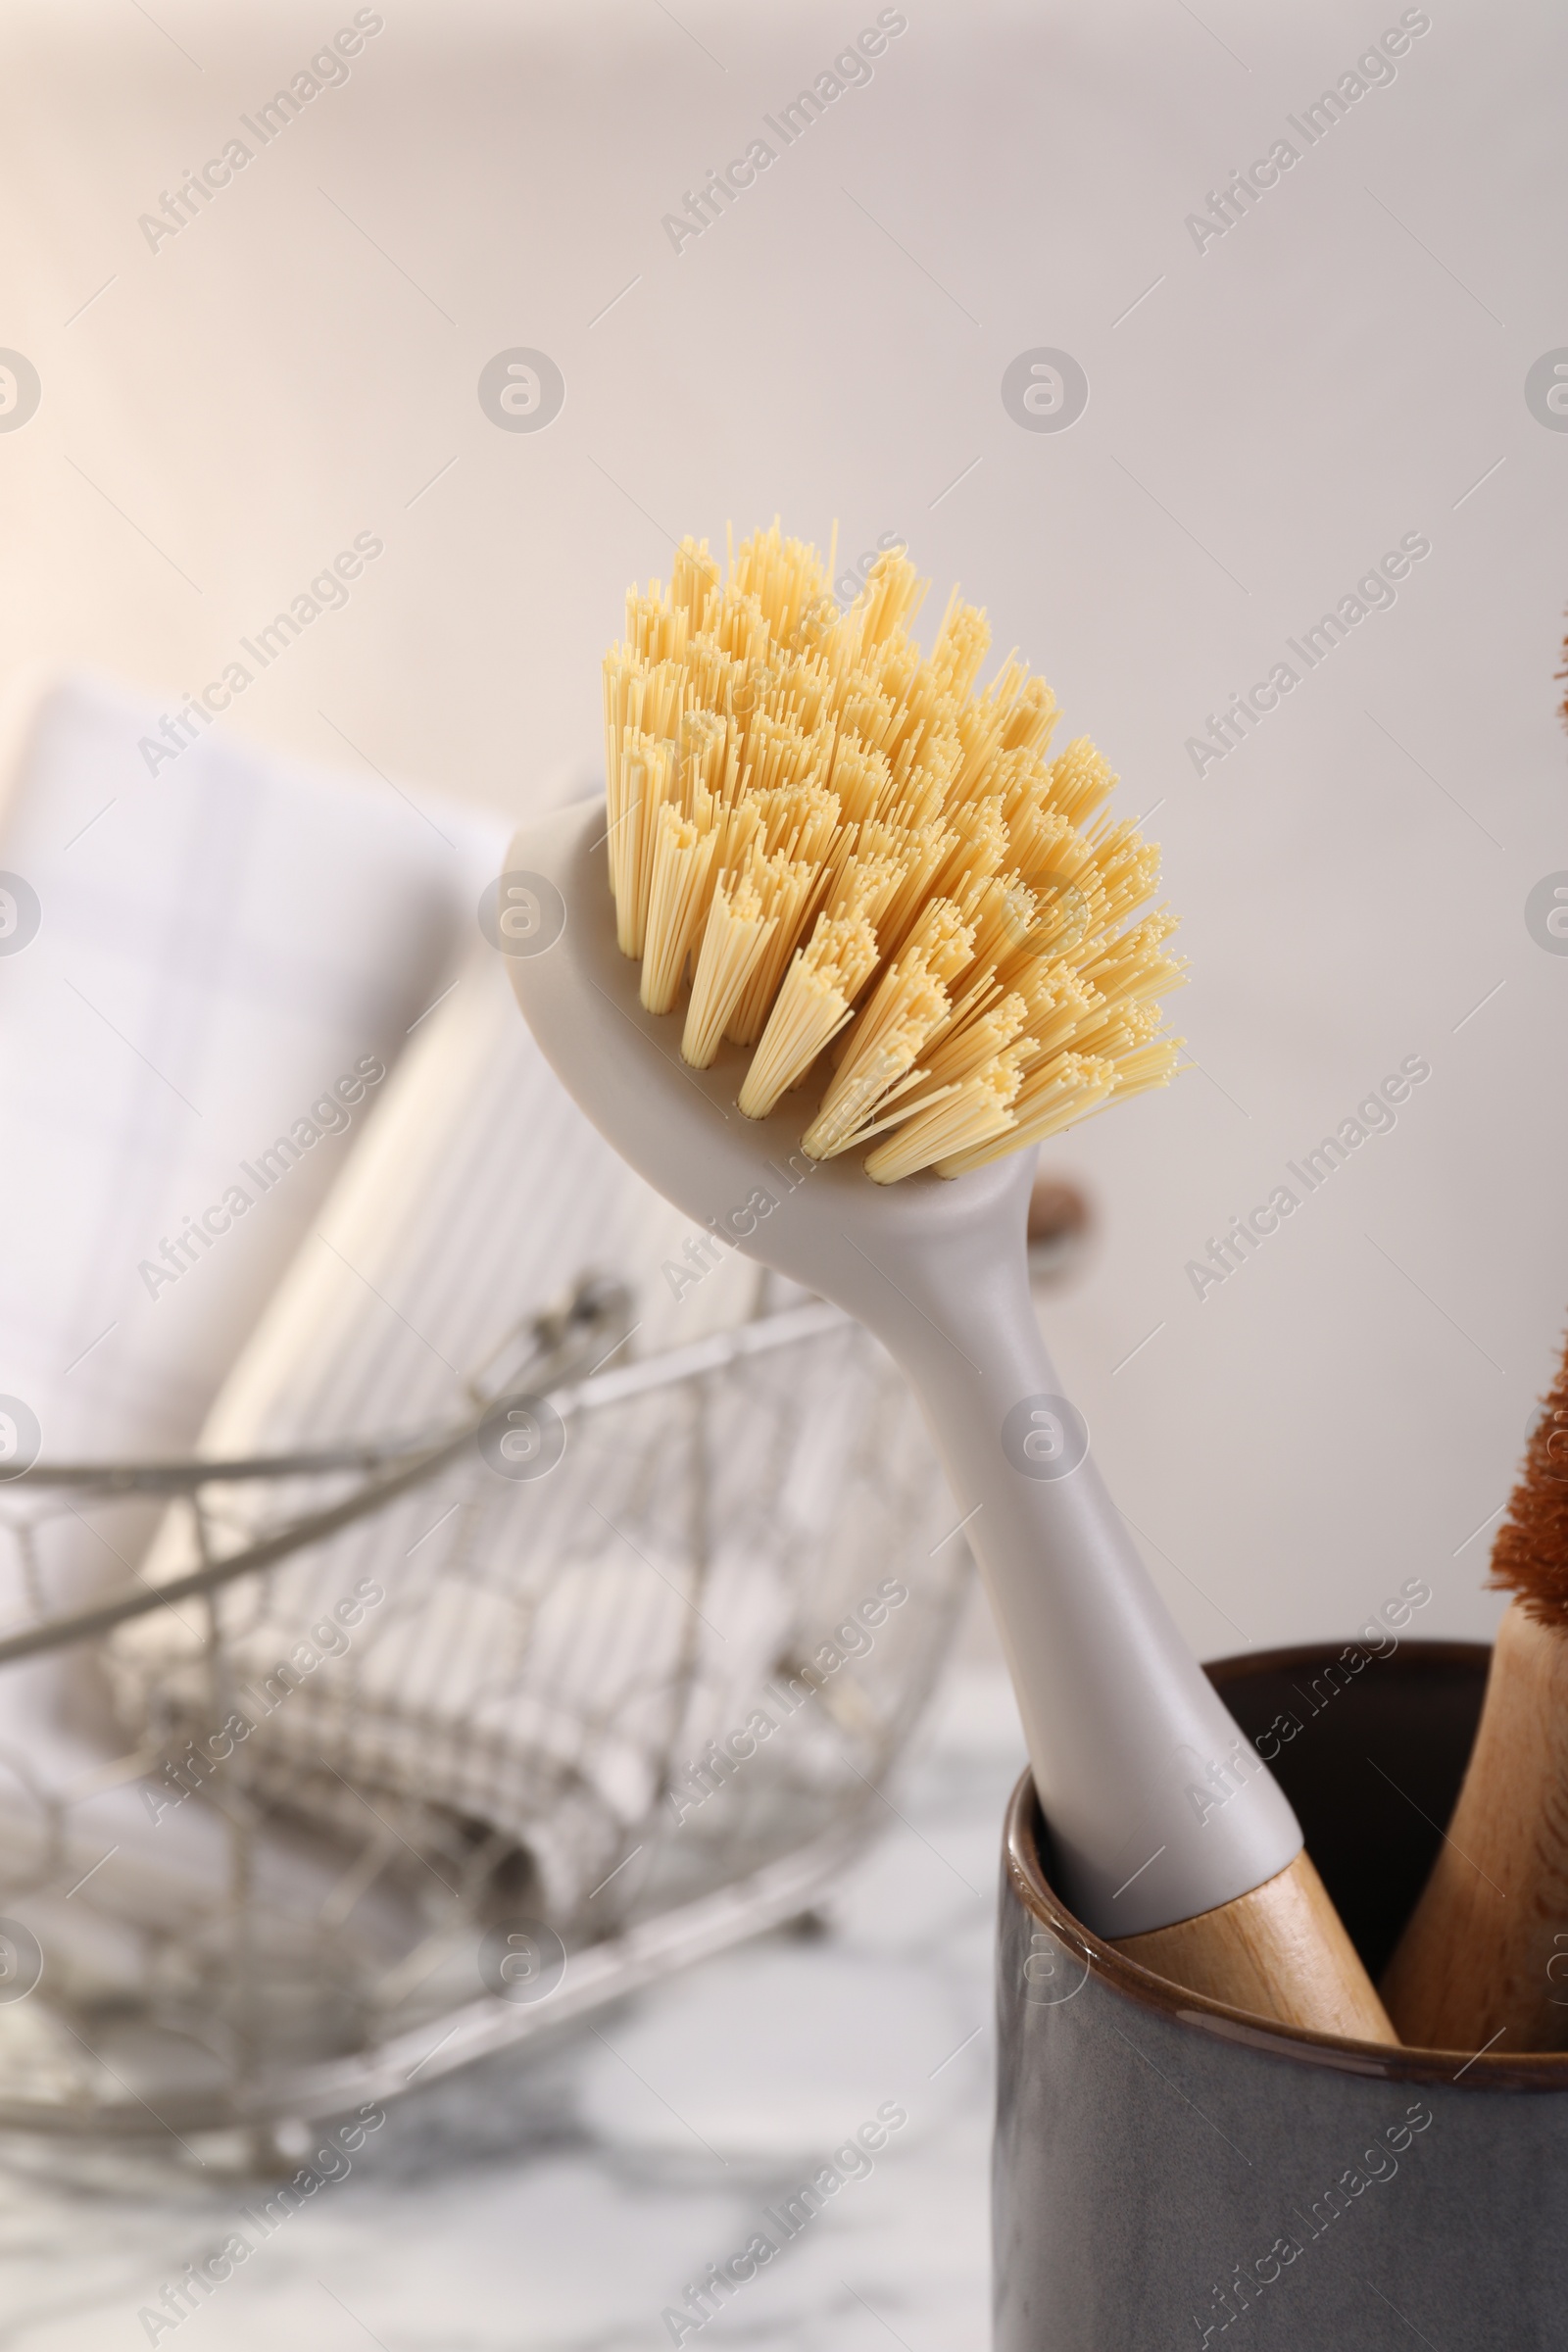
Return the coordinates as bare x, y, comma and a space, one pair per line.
1171, 2172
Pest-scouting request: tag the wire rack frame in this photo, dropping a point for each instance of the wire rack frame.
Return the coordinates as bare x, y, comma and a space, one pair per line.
780, 1458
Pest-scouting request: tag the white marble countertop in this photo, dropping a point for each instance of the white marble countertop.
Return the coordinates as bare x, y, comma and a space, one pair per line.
565, 2203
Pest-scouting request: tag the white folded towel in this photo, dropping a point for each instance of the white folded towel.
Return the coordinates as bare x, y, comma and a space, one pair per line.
202, 972
217, 947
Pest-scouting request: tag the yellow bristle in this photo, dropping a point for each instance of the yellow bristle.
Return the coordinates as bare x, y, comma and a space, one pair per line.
786, 884
978, 850
734, 936
1067, 918
805, 694
1003, 912
1035, 834
1118, 1032
926, 847
708, 757
1031, 720
962, 644
1148, 1066
784, 576
740, 831
859, 777
800, 820
978, 993
897, 670
833, 637
621, 672
866, 884
743, 629
915, 801
908, 1005
1060, 1003
868, 713
712, 674
654, 630
893, 595
777, 753
662, 699
1127, 885
652, 773
683, 854
1133, 969
813, 1003
1066, 1090
827, 832
973, 1115
944, 938
980, 727
637, 779
1080, 780
965, 1049
695, 584
845, 1118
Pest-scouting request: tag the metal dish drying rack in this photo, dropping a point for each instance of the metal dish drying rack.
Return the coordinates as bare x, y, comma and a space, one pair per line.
304, 1965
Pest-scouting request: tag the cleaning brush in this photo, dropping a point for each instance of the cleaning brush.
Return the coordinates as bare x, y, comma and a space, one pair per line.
844, 943
1485, 1954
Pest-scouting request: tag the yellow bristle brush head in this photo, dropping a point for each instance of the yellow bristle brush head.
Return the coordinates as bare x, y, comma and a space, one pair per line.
843, 853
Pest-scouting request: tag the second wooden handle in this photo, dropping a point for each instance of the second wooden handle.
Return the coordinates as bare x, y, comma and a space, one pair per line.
1484, 1956
1281, 1953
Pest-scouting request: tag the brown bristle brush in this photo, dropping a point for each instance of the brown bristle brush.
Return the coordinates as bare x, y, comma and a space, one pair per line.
1484, 1956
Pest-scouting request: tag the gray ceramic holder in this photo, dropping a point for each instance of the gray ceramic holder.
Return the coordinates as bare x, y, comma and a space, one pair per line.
1170, 2172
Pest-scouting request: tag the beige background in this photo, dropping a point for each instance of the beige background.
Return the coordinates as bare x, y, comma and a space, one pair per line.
221, 415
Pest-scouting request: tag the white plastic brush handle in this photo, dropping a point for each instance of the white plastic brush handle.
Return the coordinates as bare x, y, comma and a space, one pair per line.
1159, 1808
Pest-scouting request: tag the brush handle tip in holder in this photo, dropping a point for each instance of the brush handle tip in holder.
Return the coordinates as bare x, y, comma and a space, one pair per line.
1488, 1942
1280, 1951
1170, 1836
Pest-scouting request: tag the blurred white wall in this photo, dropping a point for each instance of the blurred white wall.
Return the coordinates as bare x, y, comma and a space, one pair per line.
222, 415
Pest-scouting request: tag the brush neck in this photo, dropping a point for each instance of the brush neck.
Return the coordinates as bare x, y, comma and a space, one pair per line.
1159, 1808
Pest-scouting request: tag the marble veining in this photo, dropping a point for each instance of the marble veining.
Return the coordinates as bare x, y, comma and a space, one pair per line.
565, 2202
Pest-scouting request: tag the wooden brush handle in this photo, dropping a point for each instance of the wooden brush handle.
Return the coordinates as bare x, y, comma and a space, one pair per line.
1280, 1951
1477, 1959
